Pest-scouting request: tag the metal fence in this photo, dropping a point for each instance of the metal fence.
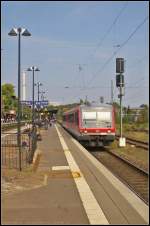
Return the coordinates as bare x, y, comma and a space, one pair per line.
10, 150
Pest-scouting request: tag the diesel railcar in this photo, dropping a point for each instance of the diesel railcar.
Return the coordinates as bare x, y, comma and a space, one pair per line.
92, 126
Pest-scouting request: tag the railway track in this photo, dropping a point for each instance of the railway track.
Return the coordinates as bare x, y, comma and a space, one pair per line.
135, 178
141, 130
137, 143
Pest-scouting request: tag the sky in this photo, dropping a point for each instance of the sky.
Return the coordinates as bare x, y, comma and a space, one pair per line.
75, 44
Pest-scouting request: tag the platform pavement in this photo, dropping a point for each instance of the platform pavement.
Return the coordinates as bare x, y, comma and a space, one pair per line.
58, 201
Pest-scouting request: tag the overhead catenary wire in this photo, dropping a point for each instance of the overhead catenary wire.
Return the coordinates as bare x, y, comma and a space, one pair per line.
121, 46
134, 92
131, 66
109, 29
137, 82
136, 97
111, 26
114, 53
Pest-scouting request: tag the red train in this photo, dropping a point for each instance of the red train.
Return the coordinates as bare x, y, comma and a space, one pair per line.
93, 126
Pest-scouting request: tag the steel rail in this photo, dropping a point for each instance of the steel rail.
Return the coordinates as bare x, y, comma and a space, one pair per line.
130, 174
138, 143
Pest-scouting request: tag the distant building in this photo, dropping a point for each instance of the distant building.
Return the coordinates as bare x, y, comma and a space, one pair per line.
135, 113
54, 103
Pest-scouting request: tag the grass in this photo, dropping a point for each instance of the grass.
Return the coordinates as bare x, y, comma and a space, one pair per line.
133, 126
142, 136
128, 131
133, 154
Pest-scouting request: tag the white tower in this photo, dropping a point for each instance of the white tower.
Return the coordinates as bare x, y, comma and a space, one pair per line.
23, 85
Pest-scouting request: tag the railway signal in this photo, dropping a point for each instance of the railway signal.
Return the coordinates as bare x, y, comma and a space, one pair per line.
120, 85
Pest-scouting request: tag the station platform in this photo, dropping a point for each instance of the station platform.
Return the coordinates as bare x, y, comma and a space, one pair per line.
77, 189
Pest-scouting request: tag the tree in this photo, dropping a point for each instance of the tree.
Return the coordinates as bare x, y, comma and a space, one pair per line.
81, 101
9, 97
8, 89
26, 112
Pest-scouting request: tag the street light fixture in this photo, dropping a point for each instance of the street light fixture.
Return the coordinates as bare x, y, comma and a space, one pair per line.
42, 96
33, 68
18, 32
38, 85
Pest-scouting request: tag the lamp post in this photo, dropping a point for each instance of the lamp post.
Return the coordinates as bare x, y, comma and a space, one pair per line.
18, 32
33, 69
42, 96
38, 85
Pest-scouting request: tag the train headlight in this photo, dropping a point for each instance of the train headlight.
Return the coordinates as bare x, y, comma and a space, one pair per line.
85, 131
109, 131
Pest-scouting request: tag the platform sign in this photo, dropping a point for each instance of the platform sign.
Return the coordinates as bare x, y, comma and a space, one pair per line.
26, 102
42, 103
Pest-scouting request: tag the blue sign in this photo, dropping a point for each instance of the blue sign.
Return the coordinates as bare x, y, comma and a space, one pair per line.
26, 102
42, 103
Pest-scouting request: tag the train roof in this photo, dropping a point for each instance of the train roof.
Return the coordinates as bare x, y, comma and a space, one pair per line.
96, 106
88, 107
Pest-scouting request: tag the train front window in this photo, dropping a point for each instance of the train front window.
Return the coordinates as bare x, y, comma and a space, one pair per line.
96, 119
89, 119
104, 119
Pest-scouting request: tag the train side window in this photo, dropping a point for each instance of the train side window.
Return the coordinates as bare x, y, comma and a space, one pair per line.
76, 118
71, 118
